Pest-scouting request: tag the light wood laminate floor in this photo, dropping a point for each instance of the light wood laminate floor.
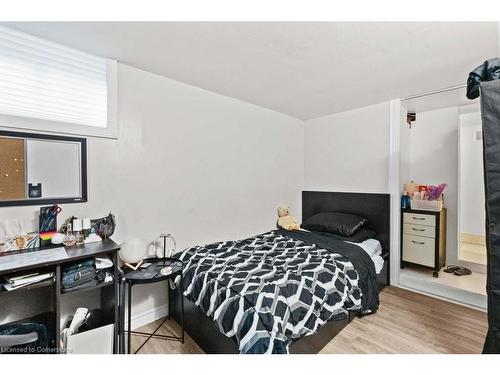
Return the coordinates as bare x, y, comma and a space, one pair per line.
406, 322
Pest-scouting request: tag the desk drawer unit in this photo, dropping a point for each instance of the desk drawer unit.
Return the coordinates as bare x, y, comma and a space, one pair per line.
423, 239
419, 219
419, 230
419, 250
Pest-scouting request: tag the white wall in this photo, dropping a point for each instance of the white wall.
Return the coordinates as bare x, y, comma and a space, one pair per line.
472, 213
201, 166
434, 160
348, 151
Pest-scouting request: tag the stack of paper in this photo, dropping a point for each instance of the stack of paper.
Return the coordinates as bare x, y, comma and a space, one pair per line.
19, 281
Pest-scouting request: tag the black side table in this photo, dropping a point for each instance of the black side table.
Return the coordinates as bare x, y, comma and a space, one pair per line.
151, 275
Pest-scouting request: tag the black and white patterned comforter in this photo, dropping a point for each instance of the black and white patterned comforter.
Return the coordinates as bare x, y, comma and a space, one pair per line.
267, 290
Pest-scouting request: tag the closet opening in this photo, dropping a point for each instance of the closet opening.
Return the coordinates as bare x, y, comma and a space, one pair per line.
442, 238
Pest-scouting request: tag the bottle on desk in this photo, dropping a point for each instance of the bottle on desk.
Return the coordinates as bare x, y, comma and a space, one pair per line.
69, 238
405, 201
77, 229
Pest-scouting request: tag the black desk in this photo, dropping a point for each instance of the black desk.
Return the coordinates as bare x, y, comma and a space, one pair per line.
132, 278
41, 260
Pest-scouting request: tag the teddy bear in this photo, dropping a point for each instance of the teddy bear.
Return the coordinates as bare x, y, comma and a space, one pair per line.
286, 221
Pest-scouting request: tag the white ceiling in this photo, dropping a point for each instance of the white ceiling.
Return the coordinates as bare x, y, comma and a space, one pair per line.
304, 69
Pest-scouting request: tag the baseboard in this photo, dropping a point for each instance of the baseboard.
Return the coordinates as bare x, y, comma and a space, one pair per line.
444, 292
475, 239
475, 307
474, 267
146, 317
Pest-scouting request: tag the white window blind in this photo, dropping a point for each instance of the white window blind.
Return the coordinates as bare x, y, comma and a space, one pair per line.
43, 80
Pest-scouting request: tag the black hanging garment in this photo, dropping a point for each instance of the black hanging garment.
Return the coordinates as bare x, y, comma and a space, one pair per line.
487, 71
490, 114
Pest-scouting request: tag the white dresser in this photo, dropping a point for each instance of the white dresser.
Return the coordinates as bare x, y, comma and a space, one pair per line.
423, 239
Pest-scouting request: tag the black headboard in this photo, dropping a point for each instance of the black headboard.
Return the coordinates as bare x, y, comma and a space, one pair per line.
375, 207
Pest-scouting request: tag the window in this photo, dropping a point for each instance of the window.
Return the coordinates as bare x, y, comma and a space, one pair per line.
49, 87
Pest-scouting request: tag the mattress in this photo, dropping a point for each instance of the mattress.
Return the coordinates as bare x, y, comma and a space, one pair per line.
374, 249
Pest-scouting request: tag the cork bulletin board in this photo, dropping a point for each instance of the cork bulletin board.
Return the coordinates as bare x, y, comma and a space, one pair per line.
12, 169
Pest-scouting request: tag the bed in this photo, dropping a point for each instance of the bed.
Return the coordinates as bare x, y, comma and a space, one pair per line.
285, 292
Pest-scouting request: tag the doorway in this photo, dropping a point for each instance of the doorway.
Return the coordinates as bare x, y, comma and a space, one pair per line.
439, 147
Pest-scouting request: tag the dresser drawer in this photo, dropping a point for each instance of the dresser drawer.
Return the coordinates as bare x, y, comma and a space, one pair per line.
419, 230
419, 250
420, 219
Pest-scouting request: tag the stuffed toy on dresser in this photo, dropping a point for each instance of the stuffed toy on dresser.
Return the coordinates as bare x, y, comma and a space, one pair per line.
285, 221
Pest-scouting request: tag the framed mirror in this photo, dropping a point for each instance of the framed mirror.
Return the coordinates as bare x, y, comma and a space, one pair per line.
38, 169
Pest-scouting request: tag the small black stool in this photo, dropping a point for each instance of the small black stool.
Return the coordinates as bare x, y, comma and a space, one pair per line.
151, 275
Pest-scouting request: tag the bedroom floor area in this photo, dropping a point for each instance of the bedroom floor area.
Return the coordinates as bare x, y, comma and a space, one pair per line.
406, 322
